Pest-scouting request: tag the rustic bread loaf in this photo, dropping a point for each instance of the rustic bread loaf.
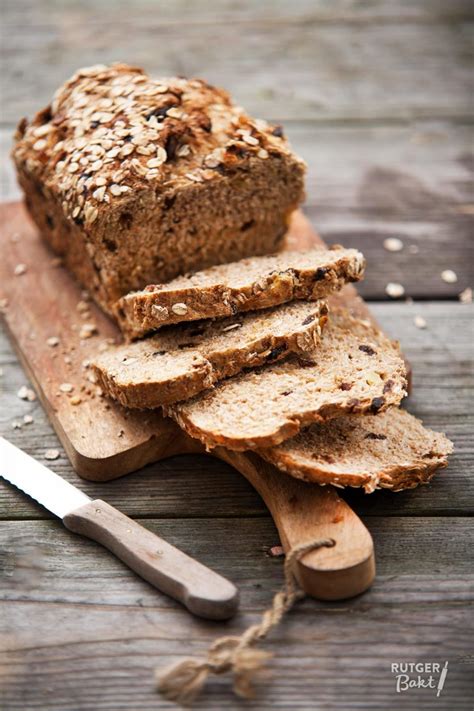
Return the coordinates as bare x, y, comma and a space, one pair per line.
183, 360
136, 180
355, 369
246, 285
391, 450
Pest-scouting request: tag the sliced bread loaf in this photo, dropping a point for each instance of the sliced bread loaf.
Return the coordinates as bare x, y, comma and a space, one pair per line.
181, 361
355, 369
247, 285
391, 450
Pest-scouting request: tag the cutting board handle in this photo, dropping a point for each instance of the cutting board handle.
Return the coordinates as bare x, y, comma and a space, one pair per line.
307, 512
200, 589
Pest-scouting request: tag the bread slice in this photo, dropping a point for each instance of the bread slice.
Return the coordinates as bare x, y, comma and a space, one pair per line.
246, 285
391, 450
183, 360
355, 369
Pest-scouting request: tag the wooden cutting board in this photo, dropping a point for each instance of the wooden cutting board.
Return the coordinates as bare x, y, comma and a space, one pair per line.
105, 441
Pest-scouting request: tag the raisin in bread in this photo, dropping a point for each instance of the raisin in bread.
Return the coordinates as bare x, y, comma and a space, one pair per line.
355, 369
246, 285
135, 180
391, 450
181, 361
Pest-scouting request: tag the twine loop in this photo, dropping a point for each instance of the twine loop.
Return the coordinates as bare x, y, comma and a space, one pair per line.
184, 681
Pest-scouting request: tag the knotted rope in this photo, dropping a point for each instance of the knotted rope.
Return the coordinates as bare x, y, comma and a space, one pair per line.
184, 681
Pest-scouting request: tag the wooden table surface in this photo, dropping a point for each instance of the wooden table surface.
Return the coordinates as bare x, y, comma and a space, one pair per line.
377, 98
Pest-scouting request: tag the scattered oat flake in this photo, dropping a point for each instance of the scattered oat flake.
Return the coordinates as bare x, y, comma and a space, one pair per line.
19, 269
449, 276
394, 290
419, 322
179, 309
51, 454
28, 420
465, 297
25, 393
52, 341
66, 387
393, 244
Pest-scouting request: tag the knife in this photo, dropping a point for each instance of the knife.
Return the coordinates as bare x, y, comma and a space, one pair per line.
204, 592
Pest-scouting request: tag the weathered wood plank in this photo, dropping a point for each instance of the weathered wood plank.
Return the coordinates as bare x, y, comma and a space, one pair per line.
113, 629
268, 11
340, 658
293, 67
366, 184
186, 486
419, 559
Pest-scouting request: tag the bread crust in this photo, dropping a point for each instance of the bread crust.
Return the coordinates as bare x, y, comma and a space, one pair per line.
182, 361
325, 454
355, 369
135, 180
247, 285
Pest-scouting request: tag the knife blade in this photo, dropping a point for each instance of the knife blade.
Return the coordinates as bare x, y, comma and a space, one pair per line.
204, 592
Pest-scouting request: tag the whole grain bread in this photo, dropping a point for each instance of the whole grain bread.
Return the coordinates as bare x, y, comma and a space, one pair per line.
135, 180
246, 285
391, 450
181, 361
355, 369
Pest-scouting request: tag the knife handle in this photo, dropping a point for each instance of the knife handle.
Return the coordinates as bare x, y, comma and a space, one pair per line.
204, 592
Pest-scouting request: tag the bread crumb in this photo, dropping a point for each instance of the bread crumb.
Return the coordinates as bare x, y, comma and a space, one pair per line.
51, 454
393, 244
87, 330
28, 420
449, 276
20, 269
82, 306
16, 425
3, 305
465, 297
419, 322
66, 387
75, 400
53, 341
25, 393
67, 360
394, 290
159, 312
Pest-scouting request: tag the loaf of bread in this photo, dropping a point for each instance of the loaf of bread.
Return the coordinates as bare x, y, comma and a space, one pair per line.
246, 285
135, 180
391, 450
182, 360
355, 369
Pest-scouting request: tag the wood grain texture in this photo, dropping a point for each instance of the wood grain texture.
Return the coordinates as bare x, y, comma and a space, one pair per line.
441, 360
200, 589
97, 639
300, 66
376, 97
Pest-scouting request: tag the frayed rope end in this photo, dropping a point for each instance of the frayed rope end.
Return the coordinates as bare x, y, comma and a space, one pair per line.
183, 682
